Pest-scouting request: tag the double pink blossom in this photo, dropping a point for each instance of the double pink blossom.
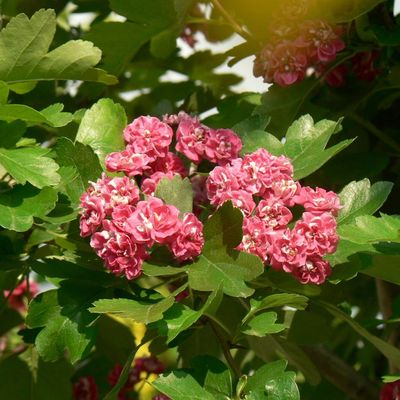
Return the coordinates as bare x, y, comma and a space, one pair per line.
314, 270
93, 212
153, 221
170, 163
273, 214
320, 40
188, 242
390, 391
222, 146
318, 200
121, 254
148, 135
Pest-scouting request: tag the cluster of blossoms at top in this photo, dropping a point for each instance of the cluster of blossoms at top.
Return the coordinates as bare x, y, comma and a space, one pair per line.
124, 225
262, 186
86, 389
296, 49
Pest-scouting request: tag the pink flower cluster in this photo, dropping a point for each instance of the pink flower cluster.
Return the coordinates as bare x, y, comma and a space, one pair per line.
286, 60
142, 367
122, 223
86, 388
262, 187
19, 297
361, 65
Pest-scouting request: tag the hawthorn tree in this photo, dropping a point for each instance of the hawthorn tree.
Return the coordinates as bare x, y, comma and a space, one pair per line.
180, 240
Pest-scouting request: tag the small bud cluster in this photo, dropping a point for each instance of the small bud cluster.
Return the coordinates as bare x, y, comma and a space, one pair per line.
294, 50
262, 187
124, 225
86, 389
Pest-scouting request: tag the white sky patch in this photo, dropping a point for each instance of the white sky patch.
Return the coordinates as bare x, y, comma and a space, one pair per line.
396, 9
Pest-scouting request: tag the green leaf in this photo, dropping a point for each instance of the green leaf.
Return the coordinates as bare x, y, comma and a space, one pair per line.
279, 300
220, 263
390, 378
119, 42
24, 56
255, 140
368, 229
22, 203
37, 379
137, 310
102, 128
65, 320
306, 144
360, 198
179, 385
30, 165
11, 133
179, 317
347, 10
177, 191
255, 122
78, 166
272, 382
52, 115
156, 270
389, 351
263, 324
213, 375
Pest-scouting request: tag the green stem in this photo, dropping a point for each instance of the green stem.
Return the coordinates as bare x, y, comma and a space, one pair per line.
226, 350
236, 27
376, 132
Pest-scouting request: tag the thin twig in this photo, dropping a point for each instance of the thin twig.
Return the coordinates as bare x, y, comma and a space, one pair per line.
225, 348
369, 126
236, 27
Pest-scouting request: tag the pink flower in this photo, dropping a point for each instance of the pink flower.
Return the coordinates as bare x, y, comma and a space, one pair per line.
288, 250
222, 146
170, 163
336, 77
153, 221
93, 212
115, 191
85, 389
240, 199
149, 185
314, 270
256, 238
188, 243
128, 161
175, 119
390, 391
190, 139
150, 364
221, 181
319, 231
21, 295
284, 188
318, 200
148, 135
120, 214
284, 63
128, 388
261, 171
363, 65
320, 40
121, 255
273, 214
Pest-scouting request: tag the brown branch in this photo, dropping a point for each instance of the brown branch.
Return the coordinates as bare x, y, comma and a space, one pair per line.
342, 375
